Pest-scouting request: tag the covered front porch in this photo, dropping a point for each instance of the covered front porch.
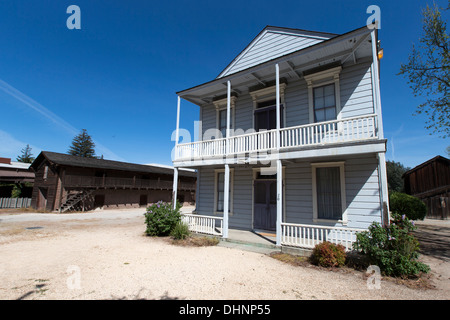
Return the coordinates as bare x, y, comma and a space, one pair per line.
293, 235
300, 202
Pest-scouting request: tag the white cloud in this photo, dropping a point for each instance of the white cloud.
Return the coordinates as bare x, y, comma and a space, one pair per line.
11, 143
10, 147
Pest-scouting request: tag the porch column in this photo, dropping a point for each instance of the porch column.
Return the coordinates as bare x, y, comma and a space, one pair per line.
175, 187
381, 156
277, 80
279, 200
177, 129
175, 170
226, 196
227, 133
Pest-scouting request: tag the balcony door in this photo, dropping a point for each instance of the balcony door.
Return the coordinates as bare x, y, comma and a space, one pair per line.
266, 115
265, 120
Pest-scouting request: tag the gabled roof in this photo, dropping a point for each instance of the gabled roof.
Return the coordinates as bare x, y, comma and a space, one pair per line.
273, 42
437, 158
352, 45
75, 161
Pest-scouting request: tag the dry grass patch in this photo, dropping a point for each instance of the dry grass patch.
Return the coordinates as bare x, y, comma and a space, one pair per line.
291, 259
421, 282
195, 241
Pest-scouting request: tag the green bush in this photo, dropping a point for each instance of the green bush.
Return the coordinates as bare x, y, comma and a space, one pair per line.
180, 231
404, 204
392, 248
327, 254
161, 218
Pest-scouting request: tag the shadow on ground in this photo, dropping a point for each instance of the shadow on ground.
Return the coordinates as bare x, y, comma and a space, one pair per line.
434, 240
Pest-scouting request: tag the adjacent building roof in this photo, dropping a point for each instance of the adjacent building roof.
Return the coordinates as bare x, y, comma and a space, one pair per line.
424, 164
75, 161
13, 171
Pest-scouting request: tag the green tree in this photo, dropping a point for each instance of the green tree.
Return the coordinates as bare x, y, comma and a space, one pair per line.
428, 71
394, 171
26, 156
82, 145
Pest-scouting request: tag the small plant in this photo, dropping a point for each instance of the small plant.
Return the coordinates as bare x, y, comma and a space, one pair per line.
404, 204
392, 248
161, 218
327, 254
180, 231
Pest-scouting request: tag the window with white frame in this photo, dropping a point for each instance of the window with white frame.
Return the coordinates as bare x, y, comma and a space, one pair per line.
219, 191
324, 95
329, 202
324, 103
221, 111
222, 126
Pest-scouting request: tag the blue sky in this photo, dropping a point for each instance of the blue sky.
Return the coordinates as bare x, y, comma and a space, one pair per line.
117, 76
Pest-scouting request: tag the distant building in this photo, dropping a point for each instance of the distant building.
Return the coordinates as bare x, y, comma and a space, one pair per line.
14, 172
64, 182
430, 182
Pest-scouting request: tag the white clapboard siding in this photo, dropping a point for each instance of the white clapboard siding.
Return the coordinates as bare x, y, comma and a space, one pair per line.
271, 44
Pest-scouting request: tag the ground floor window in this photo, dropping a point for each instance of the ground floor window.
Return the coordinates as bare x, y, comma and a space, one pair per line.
220, 191
329, 191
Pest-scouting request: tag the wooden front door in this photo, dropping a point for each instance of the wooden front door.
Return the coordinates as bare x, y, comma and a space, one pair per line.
42, 199
265, 205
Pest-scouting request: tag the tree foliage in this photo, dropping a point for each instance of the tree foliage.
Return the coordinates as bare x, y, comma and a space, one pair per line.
428, 71
26, 156
82, 145
394, 171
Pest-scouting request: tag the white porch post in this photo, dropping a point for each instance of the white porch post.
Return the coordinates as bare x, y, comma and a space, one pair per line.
175, 170
226, 188
279, 165
226, 197
381, 155
279, 200
228, 112
277, 80
175, 187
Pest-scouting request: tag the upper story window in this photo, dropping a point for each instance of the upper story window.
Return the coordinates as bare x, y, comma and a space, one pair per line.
221, 115
324, 103
324, 94
222, 126
265, 107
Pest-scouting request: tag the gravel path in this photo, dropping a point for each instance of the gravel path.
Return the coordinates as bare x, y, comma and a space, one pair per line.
105, 255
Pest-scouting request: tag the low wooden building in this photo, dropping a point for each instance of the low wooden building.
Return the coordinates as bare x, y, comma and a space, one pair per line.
430, 182
64, 182
14, 172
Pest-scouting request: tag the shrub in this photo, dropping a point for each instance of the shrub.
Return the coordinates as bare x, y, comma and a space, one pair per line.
327, 254
404, 204
392, 248
180, 231
161, 218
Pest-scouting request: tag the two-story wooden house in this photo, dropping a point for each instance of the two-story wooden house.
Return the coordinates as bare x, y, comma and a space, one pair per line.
292, 139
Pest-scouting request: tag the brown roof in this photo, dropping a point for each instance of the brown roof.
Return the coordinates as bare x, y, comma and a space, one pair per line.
437, 158
76, 161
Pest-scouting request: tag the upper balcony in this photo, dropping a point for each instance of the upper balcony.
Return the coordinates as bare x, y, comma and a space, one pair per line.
345, 132
321, 100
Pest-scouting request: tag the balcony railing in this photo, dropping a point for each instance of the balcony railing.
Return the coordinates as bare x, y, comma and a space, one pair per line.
113, 182
323, 133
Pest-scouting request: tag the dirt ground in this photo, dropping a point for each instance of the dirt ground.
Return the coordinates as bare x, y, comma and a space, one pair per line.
105, 255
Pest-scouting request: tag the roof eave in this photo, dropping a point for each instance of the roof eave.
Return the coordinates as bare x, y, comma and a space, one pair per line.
184, 93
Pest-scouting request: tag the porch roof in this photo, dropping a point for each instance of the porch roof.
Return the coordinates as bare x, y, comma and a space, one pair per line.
349, 46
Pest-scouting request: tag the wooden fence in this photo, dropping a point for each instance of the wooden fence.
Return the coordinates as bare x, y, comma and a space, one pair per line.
14, 203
